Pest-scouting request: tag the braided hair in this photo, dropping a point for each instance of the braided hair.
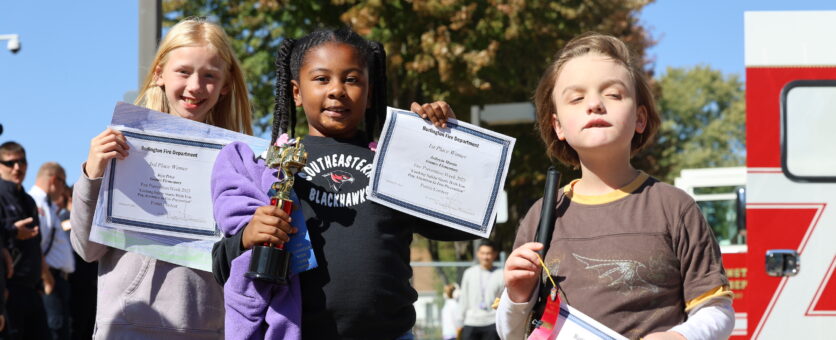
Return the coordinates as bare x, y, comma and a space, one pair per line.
291, 58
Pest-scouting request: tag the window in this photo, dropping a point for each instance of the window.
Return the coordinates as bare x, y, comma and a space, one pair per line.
808, 130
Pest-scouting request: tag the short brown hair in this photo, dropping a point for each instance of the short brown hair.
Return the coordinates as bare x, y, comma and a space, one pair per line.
581, 45
11, 147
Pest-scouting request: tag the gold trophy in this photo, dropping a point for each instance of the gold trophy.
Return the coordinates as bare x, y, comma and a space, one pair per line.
272, 263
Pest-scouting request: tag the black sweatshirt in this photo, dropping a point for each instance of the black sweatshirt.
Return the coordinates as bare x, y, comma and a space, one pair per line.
361, 288
16, 205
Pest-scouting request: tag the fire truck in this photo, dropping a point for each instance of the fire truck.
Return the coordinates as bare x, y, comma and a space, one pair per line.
775, 219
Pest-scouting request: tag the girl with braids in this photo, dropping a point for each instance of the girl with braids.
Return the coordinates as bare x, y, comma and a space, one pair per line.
195, 75
361, 288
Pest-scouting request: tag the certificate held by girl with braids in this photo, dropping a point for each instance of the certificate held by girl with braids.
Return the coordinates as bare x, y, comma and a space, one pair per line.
451, 176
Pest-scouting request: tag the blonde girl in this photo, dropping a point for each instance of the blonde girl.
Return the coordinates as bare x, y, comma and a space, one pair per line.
195, 75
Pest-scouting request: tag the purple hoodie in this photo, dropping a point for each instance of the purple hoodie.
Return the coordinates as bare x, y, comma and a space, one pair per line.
254, 309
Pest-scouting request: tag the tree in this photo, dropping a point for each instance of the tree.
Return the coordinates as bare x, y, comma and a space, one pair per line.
464, 52
703, 117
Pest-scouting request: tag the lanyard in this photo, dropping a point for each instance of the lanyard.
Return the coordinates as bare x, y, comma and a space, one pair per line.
546, 330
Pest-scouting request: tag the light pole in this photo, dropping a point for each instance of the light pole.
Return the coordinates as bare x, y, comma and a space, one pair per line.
14, 42
150, 30
14, 46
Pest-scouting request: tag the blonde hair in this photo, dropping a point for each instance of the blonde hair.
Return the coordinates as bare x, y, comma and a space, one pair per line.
232, 111
610, 47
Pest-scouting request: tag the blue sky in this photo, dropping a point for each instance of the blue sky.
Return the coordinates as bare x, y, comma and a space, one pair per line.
79, 58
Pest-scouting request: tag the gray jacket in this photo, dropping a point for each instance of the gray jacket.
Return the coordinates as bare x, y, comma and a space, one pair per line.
138, 296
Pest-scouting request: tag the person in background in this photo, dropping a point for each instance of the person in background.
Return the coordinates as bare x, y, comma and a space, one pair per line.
451, 317
64, 203
82, 281
50, 183
481, 285
6, 270
24, 307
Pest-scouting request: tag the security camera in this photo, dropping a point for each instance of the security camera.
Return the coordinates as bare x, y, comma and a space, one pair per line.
13, 45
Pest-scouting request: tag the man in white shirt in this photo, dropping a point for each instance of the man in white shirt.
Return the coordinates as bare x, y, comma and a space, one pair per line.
481, 285
55, 245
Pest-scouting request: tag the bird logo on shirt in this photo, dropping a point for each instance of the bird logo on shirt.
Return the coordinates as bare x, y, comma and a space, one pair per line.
623, 274
337, 178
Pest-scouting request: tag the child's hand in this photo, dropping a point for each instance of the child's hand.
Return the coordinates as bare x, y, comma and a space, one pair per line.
104, 147
437, 112
522, 271
269, 224
664, 336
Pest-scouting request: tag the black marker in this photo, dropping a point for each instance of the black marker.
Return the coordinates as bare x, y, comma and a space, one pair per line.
546, 227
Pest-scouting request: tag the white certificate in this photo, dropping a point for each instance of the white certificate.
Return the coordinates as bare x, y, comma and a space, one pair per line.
157, 201
450, 176
162, 187
574, 325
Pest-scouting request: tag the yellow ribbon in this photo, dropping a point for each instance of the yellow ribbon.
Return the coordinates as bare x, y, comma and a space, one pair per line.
547, 271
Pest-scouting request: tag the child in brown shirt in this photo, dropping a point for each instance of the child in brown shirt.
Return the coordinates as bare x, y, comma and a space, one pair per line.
627, 250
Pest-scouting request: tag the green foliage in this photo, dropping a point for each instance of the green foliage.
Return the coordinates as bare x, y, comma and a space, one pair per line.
703, 117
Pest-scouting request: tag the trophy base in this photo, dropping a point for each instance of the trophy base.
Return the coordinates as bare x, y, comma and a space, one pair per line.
269, 264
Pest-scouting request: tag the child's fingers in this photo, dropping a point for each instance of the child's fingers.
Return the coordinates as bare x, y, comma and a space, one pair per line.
279, 224
268, 234
436, 113
109, 135
276, 236
447, 110
534, 246
415, 107
281, 220
520, 275
517, 262
274, 217
528, 252
268, 220
114, 146
268, 214
432, 111
520, 283
287, 228
440, 109
277, 212
274, 225
110, 143
120, 138
439, 116
103, 134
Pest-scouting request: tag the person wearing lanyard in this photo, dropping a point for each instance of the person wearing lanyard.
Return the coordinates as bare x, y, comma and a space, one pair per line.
481, 285
50, 182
